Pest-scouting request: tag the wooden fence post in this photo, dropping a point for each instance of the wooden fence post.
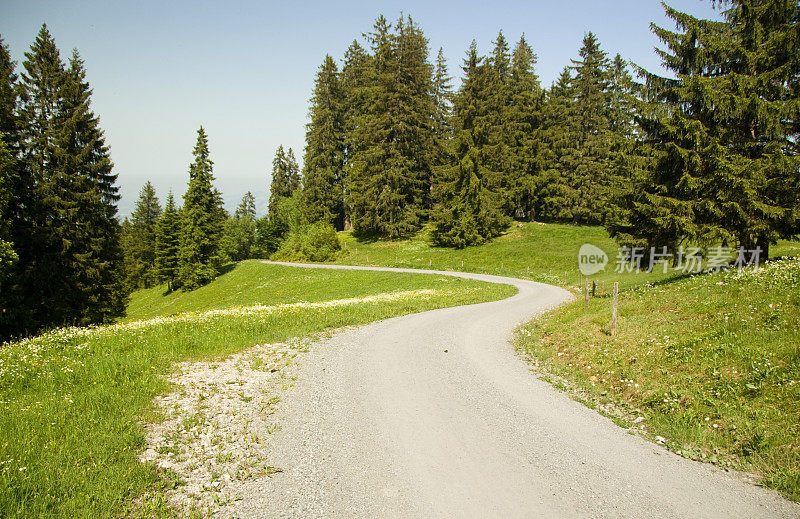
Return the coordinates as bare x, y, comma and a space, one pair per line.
614, 309
586, 294
603, 288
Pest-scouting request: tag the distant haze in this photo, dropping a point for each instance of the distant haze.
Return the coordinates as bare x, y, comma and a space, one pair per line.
246, 71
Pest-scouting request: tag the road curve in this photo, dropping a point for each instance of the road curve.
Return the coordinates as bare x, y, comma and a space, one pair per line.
433, 415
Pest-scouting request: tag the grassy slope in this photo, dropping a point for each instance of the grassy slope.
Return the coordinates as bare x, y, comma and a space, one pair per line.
253, 282
72, 401
541, 252
711, 362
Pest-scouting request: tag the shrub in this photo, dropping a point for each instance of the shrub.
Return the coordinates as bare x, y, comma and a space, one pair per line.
313, 242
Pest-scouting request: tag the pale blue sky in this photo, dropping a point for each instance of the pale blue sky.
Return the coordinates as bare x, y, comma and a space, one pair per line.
245, 70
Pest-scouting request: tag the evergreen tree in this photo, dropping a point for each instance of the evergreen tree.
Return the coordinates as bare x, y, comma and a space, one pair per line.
8, 257
391, 170
140, 242
41, 277
442, 122
239, 233
203, 217
167, 246
497, 122
323, 182
469, 208
8, 99
93, 254
524, 117
622, 99
64, 224
724, 141
285, 177
9, 188
353, 82
587, 162
247, 207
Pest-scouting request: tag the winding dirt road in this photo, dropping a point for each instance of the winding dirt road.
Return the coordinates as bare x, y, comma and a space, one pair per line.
433, 415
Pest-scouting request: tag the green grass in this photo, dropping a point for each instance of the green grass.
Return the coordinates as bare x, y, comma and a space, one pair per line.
253, 282
536, 251
711, 362
73, 401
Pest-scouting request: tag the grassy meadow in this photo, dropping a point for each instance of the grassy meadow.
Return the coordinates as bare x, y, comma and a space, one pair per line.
541, 252
708, 365
74, 400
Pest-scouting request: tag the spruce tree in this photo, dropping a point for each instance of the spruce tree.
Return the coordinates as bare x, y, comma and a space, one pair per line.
64, 221
587, 163
9, 188
42, 278
285, 177
247, 207
469, 207
353, 82
140, 241
8, 99
94, 255
559, 134
442, 122
524, 137
167, 245
202, 220
391, 169
497, 123
8, 257
323, 174
725, 164
239, 233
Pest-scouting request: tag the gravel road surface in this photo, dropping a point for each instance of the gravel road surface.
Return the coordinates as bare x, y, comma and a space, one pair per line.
434, 415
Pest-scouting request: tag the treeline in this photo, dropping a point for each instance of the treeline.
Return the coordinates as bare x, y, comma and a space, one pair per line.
706, 157
391, 146
60, 257
187, 246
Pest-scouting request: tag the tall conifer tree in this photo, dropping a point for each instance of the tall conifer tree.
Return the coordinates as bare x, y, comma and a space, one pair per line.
524, 117
202, 217
64, 222
469, 208
323, 182
391, 170
558, 137
139, 242
168, 236
725, 163
442, 122
285, 177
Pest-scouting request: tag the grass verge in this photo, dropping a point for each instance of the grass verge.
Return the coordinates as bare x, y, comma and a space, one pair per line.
74, 400
711, 363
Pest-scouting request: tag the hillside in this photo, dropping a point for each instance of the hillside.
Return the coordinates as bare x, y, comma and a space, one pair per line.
538, 251
708, 365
